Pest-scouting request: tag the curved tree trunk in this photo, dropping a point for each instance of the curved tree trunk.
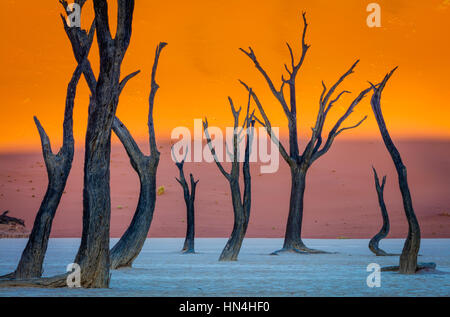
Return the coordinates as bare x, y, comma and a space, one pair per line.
408, 258
384, 231
234, 243
130, 244
58, 169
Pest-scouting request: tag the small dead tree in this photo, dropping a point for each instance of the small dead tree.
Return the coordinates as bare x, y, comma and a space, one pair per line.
189, 199
300, 163
384, 231
58, 168
408, 258
241, 205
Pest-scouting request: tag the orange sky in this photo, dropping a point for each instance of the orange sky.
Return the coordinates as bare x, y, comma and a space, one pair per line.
202, 63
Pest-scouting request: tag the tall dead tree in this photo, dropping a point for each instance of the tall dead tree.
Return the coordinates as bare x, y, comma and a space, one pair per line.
93, 255
189, 199
58, 168
241, 205
384, 231
408, 258
129, 246
300, 163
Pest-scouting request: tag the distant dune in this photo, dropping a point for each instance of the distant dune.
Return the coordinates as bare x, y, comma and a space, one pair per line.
341, 201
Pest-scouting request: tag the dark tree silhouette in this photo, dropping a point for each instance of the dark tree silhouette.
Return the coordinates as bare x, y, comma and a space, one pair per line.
93, 255
129, 246
300, 163
408, 258
384, 231
189, 199
241, 206
58, 168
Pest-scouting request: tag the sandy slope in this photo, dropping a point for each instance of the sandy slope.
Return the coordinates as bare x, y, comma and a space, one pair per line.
160, 270
340, 197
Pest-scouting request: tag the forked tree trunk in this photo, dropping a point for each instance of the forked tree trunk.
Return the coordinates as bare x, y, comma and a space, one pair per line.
408, 258
93, 255
189, 199
130, 244
58, 169
384, 231
241, 206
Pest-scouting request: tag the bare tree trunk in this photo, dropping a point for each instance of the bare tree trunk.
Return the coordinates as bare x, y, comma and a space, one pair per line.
408, 258
234, 243
384, 231
130, 244
241, 207
292, 239
189, 199
93, 255
188, 246
58, 169
299, 163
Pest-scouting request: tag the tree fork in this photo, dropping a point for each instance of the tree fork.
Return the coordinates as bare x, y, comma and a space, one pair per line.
189, 199
408, 258
384, 231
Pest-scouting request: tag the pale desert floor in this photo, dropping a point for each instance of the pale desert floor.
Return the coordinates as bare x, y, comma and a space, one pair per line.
340, 199
161, 270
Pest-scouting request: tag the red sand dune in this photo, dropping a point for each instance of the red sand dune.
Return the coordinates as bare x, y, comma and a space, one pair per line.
341, 201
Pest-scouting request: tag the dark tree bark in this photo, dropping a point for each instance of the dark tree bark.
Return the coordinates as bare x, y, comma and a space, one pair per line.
58, 169
408, 258
384, 231
241, 206
300, 163
93, 255
189, 199
131, 243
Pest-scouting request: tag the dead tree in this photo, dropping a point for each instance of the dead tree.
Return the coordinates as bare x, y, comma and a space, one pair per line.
58, 168
7, 220
93, 255
300, 163
408, 258
384, 231
129, 246
241, 205
189, 199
